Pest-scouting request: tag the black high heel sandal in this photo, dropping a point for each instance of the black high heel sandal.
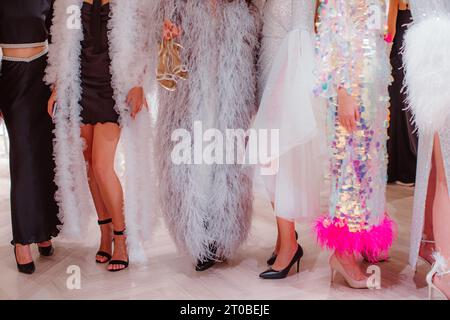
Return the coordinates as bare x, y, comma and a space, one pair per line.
273, 257
275, 275
27, 268
119, 262
103, 253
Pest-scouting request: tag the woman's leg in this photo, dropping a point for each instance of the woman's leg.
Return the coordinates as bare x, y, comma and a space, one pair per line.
104, 147
351, 266
287, 243
277, 246
23, 254
87, 133
427, 247
441, 215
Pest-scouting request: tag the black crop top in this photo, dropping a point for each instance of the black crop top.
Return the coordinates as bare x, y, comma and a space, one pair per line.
25, 21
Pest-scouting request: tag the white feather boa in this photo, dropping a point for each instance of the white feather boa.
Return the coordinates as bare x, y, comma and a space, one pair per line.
206, 204
427, 64
129, 65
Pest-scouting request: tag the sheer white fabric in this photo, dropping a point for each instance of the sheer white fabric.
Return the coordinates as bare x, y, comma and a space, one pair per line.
288, 104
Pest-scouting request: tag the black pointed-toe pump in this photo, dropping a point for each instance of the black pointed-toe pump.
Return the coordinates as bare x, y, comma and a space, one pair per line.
281, 274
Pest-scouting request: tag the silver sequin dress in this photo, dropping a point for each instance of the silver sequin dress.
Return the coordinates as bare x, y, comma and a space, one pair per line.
352, 55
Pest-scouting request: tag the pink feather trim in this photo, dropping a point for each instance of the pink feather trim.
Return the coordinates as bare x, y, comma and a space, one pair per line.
335, 235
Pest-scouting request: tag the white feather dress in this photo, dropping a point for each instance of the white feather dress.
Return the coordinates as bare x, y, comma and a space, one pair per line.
204, 205
426, 59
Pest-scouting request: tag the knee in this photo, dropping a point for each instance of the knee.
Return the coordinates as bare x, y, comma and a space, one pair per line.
102, 171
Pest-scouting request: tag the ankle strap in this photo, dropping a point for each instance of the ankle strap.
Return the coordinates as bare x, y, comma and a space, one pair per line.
440, 265
106, 221
119, 233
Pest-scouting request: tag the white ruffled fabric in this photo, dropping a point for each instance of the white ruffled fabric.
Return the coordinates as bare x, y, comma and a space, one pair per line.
289, 105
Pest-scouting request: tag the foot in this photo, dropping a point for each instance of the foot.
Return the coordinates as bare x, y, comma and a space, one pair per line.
284, 256
426, 252
46, 248
105, 242
443, 284
120, 253
44, 244
351, 266
23, 254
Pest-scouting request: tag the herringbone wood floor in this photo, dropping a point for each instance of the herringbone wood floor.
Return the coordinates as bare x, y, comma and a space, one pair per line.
170, 275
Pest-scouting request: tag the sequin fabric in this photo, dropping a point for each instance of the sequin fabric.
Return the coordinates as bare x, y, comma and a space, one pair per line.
351, 54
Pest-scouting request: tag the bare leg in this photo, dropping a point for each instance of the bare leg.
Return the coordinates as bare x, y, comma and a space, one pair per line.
104, 147
23, 254
277, 246
87, 133
427, 248
287, 243
441, 215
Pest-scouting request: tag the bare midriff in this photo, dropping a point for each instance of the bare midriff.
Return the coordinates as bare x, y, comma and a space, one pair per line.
22, 52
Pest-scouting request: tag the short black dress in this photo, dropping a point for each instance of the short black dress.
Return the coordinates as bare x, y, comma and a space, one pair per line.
97, 96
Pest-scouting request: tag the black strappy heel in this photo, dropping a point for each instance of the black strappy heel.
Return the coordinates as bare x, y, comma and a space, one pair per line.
119, 262
103, 253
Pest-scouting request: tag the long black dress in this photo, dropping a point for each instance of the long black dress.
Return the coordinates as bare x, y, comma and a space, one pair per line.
23, 102
402, 143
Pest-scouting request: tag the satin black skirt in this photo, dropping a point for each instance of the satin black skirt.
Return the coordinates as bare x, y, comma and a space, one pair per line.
23, 102
402, 143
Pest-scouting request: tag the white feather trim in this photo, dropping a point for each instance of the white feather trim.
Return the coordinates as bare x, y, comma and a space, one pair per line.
426, 59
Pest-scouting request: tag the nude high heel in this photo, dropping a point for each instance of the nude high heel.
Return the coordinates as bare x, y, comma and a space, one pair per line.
336, 267
439, 269
163, 75
428, 262
179, 69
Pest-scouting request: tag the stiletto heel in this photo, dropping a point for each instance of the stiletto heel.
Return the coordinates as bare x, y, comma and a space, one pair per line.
439, 269
275, 275
179, 69
333, 274
103, 254
119, 262
27, 268
273, 257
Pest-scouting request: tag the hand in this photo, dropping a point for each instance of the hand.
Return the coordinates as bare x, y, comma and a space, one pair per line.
51, 103
170, 30
136, 100
348, 111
